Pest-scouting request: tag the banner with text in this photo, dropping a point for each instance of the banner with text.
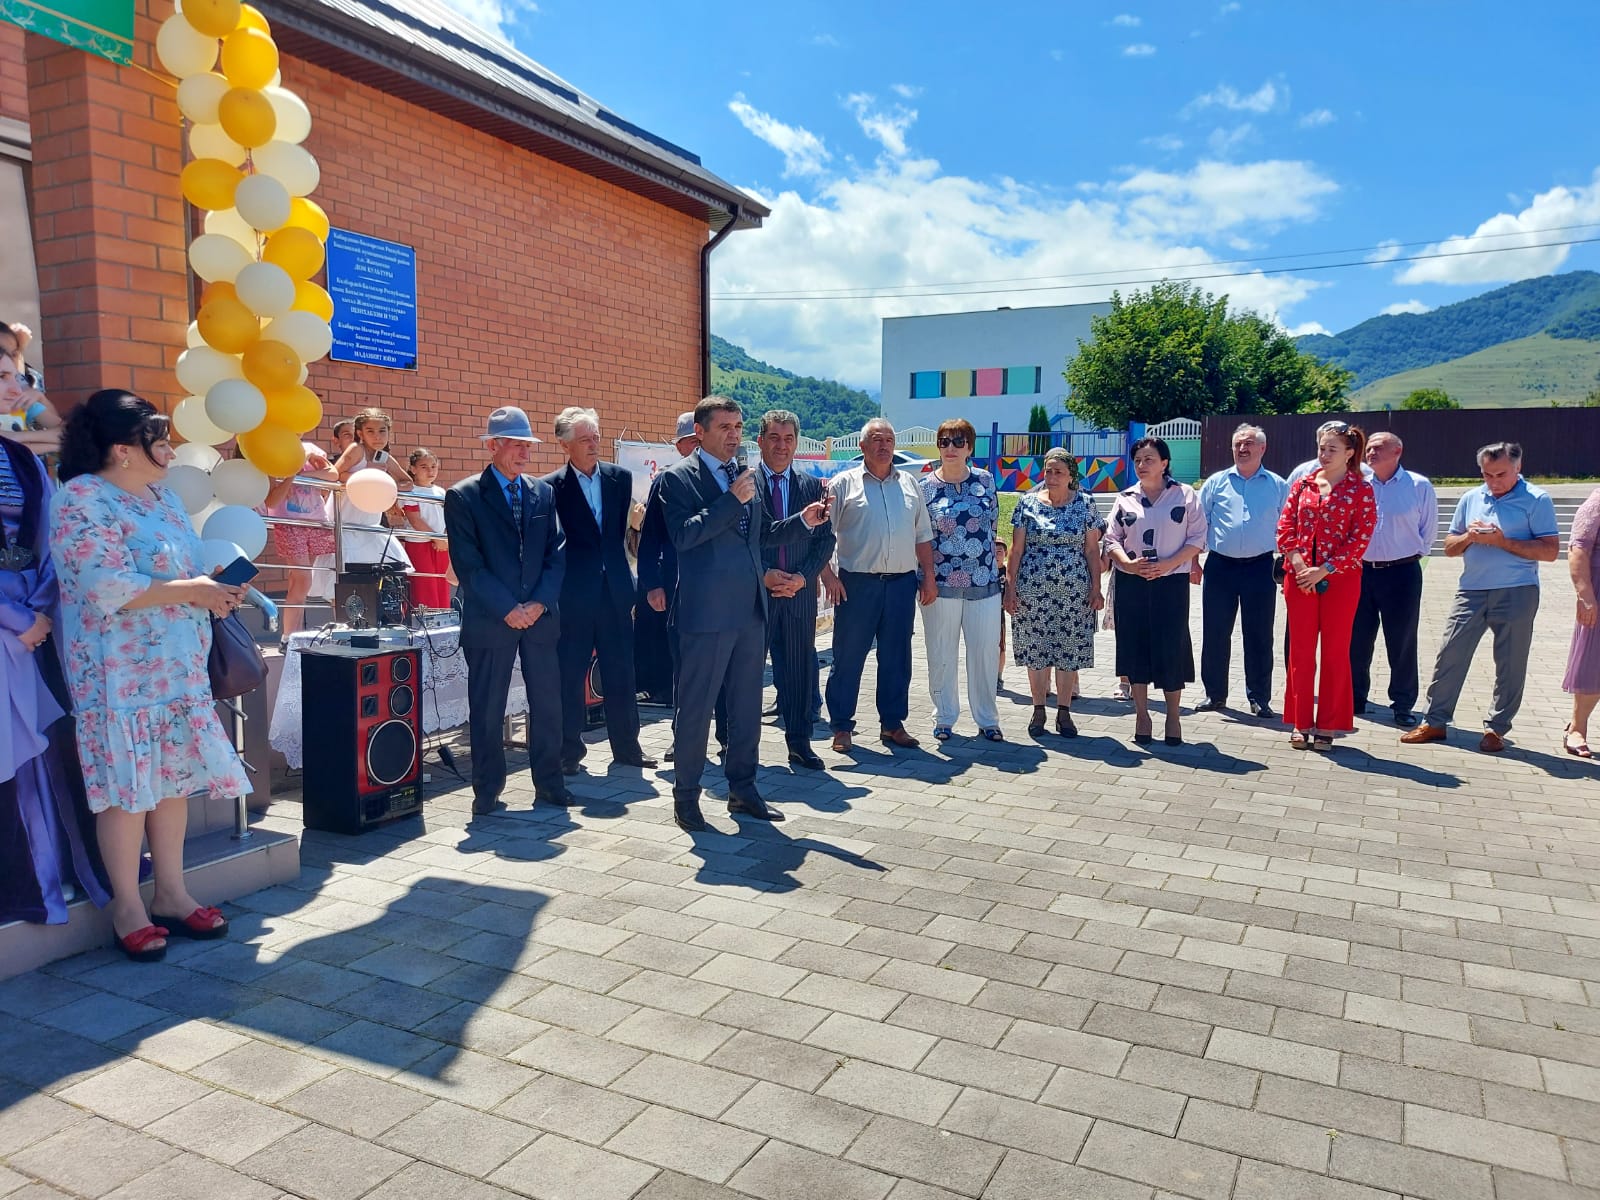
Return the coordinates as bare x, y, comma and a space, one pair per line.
374, 288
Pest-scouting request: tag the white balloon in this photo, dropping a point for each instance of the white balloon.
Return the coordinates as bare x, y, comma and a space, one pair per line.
193, 454
307, 334
265, 289
211, 141
183, 49
192, 485
226, 222
200, 368
199, 95
215, 257
305, 372
290, 164
294, 118
236, 405
239, 482
189, 418
239, 525
262, 201
218, 552
192, 338
371, 490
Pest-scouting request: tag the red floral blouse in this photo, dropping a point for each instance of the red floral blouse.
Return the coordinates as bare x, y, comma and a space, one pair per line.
1329, 531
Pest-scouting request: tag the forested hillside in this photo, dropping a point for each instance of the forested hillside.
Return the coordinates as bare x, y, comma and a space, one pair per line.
825, 408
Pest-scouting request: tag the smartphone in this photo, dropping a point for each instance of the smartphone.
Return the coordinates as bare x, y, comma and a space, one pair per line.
237, 573
379, 456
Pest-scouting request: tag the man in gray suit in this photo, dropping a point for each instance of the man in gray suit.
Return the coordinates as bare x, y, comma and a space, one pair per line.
719, 523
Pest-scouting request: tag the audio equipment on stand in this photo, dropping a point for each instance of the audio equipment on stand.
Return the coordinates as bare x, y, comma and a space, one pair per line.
362, 734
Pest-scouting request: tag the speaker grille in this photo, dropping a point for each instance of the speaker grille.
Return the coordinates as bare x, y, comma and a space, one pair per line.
400, 670
391, 751
401, 700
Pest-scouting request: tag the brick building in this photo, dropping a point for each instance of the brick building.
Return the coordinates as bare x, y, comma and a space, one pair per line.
561, 250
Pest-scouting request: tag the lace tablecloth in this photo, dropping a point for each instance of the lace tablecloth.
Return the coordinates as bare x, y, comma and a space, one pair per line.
444, 689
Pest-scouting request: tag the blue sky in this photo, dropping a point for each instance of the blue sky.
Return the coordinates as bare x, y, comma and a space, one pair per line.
956, 145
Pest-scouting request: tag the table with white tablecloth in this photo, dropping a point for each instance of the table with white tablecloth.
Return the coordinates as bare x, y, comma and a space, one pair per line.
443, 686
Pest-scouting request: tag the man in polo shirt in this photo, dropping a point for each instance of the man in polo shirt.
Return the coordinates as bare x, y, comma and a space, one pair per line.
884, 534
1242, 505
1391, 577
1504, 530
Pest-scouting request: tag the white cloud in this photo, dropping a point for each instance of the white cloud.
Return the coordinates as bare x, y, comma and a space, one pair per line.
1408, 306
1306, 327
1317, 117
906, 91
1223, 142
1168, 142
903, 220
803, 151
1263, 100
492, 16
1126, 21
1527, 251
887, 128
1387, 250
1138, 50
824, 39
1231, 7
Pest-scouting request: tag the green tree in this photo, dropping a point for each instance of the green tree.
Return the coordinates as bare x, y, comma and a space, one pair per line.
1038, 422
1429, 399
1176, 351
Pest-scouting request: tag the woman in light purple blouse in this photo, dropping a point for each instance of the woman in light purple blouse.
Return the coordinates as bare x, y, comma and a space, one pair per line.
1155, 531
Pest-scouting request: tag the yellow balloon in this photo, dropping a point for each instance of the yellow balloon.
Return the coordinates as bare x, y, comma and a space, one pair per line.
251, 18
298, 251
227, 325
308, 214
272, 449
214, 18
249, 58
295, 408
308, 297
271, 366
246, 116
220, 290
209, 183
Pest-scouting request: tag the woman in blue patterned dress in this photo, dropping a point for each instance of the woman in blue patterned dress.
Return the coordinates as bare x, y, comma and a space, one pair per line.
135, 606
1053, 586
964, 507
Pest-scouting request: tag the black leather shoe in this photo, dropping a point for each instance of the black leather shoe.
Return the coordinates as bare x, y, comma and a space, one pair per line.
1210, 705
1405, 718
1261, 712
571, 768
560, 799
634, 760
753, 806
689, 819
482, 806
805, 756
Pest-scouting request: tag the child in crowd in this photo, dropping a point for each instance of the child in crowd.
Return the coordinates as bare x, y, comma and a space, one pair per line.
430, 585
31, 420
300, 545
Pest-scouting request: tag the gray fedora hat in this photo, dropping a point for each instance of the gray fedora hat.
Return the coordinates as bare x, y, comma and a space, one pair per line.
509, 422
685, 427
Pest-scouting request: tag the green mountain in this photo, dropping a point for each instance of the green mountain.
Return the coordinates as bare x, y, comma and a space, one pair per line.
825, 408
1527, 372
1566, 307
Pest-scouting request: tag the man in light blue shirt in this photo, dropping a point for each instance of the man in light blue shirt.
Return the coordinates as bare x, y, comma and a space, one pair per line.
1391, 577
1504, 529
1242, 506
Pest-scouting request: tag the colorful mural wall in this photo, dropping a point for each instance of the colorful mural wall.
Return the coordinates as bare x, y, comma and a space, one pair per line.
979, 381
1099, 473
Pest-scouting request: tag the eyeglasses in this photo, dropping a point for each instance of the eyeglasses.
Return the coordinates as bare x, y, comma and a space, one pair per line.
958, 440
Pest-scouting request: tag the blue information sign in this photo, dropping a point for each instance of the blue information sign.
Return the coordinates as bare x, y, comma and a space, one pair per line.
374, 288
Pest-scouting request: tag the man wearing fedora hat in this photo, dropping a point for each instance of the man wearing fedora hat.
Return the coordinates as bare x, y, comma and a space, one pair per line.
509, 553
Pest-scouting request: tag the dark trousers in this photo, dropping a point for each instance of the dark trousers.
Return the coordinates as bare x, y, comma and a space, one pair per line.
724, 664
1391, 597
792, 637
1243, 588
605, 634
488, 685
881, 608
652, 655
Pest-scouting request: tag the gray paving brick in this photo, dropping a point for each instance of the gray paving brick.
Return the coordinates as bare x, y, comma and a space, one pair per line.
263, 1072
1118, 1100
750, 974
225, 1127
324, 1164
573, 1008
690, 1145
886, 1090
1020, 1124
134, 1093
1399, 1082
1282, 1057
190, 1177
573, 1110
1022, 1176
554, 1168
1314, 1029
1268, 1181
1414, 1172
459, 1138
814, 1122
1484, 1140
707, 1091
1034, 1004
906, 1148
857, 1038
425, 1179
1456, 1058
992, 1070
783, 1172
91, 1158
775, 1060
1191, 1076
763, 1014
1065, 1047
577, 1056
1256, 1135
1331, 1107
356, 1103
868, 1000
1181, 1167
1150, 1029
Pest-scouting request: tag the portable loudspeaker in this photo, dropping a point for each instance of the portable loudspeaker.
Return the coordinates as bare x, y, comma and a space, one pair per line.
362, 718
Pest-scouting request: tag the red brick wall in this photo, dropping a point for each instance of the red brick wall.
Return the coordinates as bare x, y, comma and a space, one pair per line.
13, 73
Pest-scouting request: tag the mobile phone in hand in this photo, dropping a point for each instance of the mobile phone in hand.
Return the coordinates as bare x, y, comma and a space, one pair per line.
237, 573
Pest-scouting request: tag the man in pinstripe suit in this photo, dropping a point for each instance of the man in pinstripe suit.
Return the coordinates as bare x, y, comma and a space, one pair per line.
791, 583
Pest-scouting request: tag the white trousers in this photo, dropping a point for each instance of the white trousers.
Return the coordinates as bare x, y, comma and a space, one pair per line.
945, 623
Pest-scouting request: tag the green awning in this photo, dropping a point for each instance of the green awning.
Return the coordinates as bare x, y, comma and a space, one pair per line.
103, 27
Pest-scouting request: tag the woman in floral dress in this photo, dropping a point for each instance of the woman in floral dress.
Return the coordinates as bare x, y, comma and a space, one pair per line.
136, 603
1053, 586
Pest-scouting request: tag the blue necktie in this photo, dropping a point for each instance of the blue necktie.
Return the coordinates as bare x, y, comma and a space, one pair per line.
731, 470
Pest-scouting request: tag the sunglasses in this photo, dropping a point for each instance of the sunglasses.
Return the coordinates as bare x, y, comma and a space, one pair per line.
958, 440
1335, 427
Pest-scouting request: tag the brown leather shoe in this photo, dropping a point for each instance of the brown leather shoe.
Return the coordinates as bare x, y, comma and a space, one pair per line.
842, 743
1492, 742
898, 737
1422, 734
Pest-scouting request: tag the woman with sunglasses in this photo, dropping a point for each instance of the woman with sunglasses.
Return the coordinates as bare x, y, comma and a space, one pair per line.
964, 508
1326, 524
1157, 530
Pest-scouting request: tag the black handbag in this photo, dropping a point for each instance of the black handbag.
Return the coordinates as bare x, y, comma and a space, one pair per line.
235, 664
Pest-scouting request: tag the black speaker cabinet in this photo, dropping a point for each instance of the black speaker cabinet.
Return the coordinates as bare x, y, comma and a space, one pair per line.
362, 714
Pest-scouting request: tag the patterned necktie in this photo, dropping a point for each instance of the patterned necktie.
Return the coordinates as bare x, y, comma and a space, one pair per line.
731, 470
514, 498
779, 488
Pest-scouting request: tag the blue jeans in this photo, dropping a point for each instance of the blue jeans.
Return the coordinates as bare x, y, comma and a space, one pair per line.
875, 608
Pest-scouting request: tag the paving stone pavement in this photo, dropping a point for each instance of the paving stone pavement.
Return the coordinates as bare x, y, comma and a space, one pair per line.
1056, 970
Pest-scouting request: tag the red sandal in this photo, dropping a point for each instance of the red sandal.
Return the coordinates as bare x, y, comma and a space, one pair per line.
197, 925
136, 945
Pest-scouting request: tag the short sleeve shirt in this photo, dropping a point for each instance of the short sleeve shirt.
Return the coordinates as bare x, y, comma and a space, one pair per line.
1524, 513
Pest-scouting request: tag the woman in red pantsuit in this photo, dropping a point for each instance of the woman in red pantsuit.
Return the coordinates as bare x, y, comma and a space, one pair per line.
1322, 534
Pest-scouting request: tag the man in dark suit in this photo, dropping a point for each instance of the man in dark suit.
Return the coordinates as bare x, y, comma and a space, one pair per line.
791, 583
507, 549
719, 525
592, 500
654, 658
